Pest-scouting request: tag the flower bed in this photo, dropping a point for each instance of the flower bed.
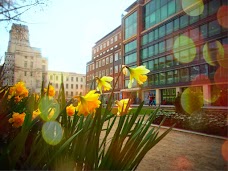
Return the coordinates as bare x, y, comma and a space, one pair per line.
203, 121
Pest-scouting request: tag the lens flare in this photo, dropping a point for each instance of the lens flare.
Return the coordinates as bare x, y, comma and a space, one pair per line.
182, 163
212, 51
52, 132
223, 59
192, 99
221, 78
222, 16
209, 95
193, 7
49, 109
225, 150
184, 49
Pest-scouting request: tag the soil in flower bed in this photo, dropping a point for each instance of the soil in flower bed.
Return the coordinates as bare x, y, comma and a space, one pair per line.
203, 121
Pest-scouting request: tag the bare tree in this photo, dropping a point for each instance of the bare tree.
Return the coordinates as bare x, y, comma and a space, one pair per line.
12, 10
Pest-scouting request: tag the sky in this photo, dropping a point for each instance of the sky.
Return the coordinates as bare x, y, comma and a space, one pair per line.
67, 30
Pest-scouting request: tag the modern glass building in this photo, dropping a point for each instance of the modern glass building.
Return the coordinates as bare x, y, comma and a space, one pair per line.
182, 43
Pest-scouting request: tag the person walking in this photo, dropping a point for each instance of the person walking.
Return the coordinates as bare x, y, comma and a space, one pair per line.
153, 100
150, 99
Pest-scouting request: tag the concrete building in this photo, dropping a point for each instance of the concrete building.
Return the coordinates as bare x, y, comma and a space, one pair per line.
183, 44
106, 61
23, 62
74, 83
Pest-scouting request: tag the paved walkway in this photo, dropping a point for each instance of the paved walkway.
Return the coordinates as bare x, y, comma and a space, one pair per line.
185, 151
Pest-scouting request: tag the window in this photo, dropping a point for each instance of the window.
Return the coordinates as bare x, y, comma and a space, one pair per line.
51, 77
72, 78
151, 51
169, 44
176, 24
183, 21
25, 73
116, 69
171, 8
214, 28
194, 34
116, 56
76, 86
184, 74
144, 53
99, 63
111, 59
155, 64
72, 86
77, 79
194, 72
107, 71
111, 71
115, 38
81, 86
169, 28
67, 86
130, 25
169, 61
56, 78
169, 77
31, 74
144, 39
103, 62
162, 62
204, 31
162, 31
107, 60
161, 47
176, 76
164, 12
81, 79
25, 64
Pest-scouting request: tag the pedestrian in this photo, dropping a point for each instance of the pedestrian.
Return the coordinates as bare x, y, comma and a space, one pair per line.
150, 99
153, 100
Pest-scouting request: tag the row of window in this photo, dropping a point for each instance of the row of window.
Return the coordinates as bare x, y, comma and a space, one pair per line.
154, 13
181, 75
68, 86
106, 72
167, 45
107, 60
107, 43
102, 53
56, 78
199, 33
186, 55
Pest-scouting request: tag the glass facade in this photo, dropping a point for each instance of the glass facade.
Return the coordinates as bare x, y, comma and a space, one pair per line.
130, 28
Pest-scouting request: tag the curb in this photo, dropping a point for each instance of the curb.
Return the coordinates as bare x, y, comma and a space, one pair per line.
192, 132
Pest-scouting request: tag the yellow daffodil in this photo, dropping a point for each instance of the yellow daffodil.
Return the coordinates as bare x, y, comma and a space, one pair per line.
17, 119
87, 104
104, 83
123, 106
20, 89
51, 91
138, 73
70, 110
35, 113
